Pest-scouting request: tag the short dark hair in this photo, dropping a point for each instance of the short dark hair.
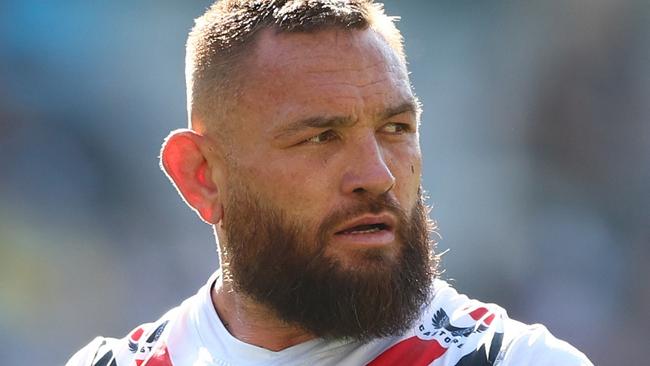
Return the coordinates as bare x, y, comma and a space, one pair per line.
219, 39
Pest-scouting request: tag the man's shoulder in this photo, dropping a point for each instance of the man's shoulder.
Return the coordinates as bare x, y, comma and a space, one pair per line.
144, 343
149, 344
536, 345
455, 330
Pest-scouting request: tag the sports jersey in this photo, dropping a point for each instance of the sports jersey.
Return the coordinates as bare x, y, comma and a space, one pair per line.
453, 330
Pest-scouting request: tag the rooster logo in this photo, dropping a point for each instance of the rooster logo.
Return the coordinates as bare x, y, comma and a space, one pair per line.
135, 346
434, 338
441, 321
448, 334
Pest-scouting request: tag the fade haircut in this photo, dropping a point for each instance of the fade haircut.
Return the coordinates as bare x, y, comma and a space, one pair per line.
223, 36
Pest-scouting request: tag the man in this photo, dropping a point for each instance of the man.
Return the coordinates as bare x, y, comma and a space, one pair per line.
303, 154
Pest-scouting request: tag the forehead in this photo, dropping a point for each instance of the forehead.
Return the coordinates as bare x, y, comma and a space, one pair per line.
334, 71
336, 49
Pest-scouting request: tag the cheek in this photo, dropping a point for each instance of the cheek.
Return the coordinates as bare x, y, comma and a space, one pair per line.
406, 165
298, 186
406, 159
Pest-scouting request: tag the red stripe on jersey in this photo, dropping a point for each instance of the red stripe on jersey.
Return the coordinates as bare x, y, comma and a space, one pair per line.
478, 313
411, 351
136, 334
159, 358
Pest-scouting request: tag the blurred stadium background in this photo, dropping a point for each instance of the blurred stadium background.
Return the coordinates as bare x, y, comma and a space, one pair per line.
536, 139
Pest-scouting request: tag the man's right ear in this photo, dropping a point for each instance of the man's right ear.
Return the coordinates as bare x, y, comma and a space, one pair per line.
183, 158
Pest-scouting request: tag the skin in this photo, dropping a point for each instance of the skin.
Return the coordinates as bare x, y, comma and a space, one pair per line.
351, 84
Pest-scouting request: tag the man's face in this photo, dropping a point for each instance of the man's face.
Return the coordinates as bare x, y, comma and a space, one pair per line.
322, 210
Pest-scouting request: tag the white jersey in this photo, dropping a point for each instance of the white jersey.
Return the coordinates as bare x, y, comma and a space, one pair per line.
453, 331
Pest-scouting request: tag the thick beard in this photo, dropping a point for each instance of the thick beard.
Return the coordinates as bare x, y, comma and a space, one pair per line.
276, 263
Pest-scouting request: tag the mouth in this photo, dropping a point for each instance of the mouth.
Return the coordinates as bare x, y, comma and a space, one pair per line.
367, 231
364, 229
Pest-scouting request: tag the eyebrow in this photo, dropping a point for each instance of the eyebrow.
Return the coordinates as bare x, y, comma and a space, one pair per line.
412, 106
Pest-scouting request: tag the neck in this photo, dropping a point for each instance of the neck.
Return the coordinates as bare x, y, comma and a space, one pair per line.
253, 323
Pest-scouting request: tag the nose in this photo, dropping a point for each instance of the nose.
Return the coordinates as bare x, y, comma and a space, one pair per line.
366, 171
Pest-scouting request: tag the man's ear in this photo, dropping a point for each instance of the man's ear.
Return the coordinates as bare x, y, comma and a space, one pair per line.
183, 158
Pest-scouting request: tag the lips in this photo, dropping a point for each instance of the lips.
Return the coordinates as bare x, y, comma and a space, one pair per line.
365, 229
367, 224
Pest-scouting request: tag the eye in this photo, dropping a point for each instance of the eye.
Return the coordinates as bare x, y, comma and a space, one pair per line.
322, 137
397, 128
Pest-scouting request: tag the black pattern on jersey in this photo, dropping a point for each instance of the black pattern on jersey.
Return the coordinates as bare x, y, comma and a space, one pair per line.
107, 359
133, 347
480, 357
156, 333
